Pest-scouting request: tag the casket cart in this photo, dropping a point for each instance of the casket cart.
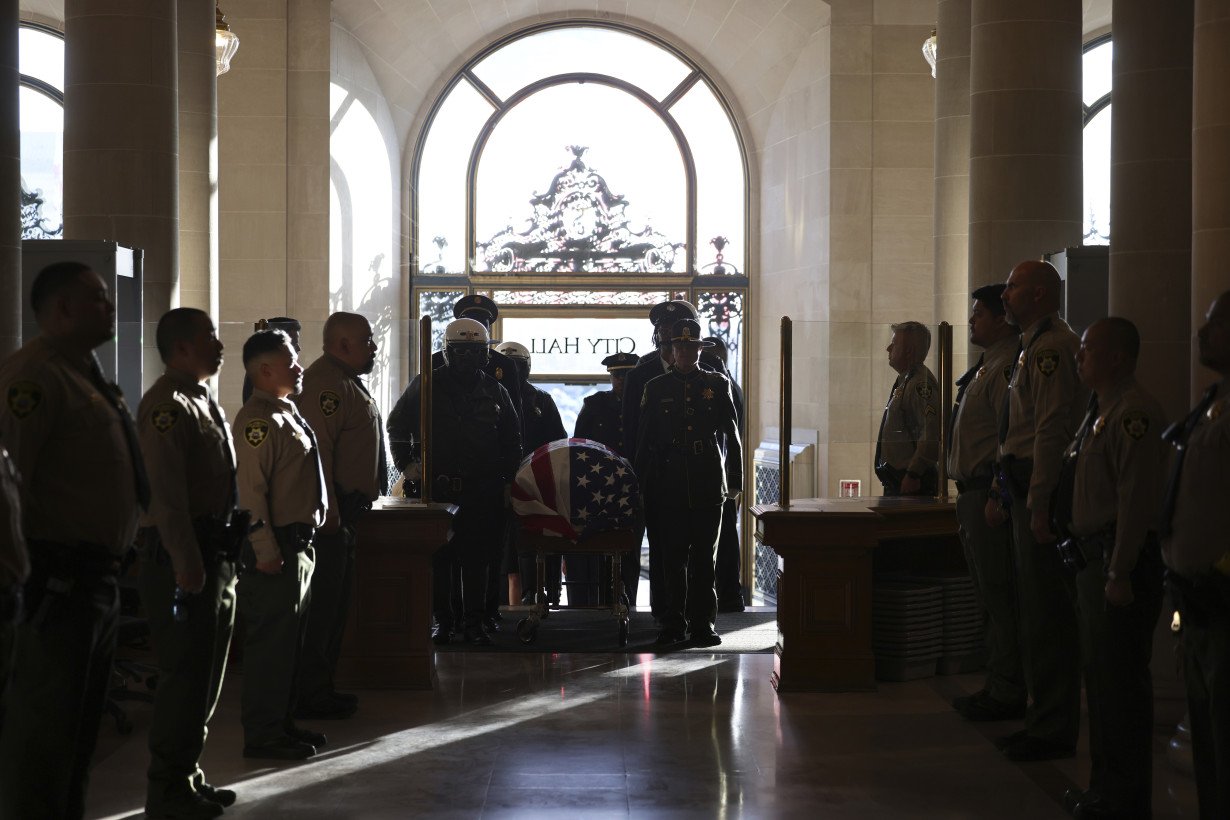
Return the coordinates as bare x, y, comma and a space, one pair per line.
576, 496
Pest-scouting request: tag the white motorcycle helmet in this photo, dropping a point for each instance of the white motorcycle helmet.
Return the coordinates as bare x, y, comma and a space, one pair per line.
466, 331
515, 350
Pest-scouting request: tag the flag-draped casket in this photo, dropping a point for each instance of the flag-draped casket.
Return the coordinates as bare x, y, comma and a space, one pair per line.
574, 488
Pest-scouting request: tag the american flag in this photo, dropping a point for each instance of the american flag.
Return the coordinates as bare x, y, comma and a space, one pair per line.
575, 487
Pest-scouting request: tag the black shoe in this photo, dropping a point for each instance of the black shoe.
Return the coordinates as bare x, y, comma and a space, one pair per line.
988, 710
223, 797
959, 703
490, 625
669, 637
1029, 749
706, 639
345, 697
496, 616
475, 636
281, 748
1004, 742
192, 806
316, 739
327, 709
441, 634
732, 605
1074, 797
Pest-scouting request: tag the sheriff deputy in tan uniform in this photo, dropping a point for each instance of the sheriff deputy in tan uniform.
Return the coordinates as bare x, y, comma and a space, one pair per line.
190, 542
908, 444
75, 446
350, 436
1195, 520
1045, 406
1116, 460
282, 485
971, 463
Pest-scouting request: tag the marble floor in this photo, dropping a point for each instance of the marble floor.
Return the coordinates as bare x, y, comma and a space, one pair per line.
601, 735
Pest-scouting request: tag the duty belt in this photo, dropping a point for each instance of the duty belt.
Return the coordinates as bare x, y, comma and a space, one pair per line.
975, 483
295, 538
81, 560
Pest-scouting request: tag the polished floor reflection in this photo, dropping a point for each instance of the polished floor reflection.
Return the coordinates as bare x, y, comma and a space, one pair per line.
597, 735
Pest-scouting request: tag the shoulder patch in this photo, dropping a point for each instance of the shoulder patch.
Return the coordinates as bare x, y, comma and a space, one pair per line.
1136, 424
24, 398
164, 416
255, 432
1047, 361
330, 402
924, 390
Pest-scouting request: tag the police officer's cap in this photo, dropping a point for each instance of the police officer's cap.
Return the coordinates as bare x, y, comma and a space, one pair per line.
620, 361
674, 309
476, 303
688, 330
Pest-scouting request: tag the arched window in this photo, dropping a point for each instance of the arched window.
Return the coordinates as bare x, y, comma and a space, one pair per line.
578, 173
41, 96
1097, 85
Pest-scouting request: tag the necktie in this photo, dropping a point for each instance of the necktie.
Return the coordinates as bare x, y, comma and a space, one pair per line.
1091, 417
382, 469
1178, 435
884, 419
1003, 417
963, 384
215, 412
311, 434
140, 479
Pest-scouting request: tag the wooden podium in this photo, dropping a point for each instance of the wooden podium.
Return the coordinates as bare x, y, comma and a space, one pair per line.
387, 644
828, 552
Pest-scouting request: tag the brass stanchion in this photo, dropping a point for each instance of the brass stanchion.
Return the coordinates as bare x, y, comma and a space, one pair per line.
784, 452
425, 483
946, 381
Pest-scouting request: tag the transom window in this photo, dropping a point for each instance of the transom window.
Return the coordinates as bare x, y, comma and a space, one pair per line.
41, 98
1096, 69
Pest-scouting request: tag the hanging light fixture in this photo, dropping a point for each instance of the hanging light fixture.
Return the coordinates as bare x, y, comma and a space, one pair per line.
930, 51
226, 43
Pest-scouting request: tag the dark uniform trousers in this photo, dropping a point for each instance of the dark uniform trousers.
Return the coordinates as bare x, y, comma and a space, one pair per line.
191, 664
1116, 648
1204, 608
274, 609
689, 537
475, 542
1050, 643
332, 585
988, 552
729, 588
56, 695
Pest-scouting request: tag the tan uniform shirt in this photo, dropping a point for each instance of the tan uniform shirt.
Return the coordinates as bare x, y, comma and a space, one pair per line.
1047, 404
347, 426
190, 460
69, 447
1201, 519
975, 429
280, 478
910, 437
14, 561
1118, 472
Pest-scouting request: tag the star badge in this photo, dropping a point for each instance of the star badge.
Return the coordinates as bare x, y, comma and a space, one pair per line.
1099, 424
255, 432
1215, 410
24, 398
707, 393
1135, 424
1048, 362
330, 402
164, 417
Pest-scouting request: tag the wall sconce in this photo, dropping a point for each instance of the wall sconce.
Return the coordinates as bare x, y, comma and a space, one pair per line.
226, 43
930, 50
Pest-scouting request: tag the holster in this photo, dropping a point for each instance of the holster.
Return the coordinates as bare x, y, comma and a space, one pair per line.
219, 540
1202, 599
56, 569
293, 539
890, 477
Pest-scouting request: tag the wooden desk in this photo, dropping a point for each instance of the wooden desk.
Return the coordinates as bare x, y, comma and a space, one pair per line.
387, 644
828, 551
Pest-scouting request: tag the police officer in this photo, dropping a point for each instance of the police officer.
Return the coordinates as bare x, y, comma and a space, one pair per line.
475, 448
282, 485
601, 420
14, 567
1195, 520
499, 367
540, 424
1111, 518
350, 436
1045, 405
687, 416
74, 443
981, 393
907, 446
190, 542
663, 316
290, 327
727, 572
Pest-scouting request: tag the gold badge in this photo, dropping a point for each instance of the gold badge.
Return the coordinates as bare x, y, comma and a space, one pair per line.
981, 370
255, 432
330, 402
24, 398
924, 390
1215, 410
164, 416
1048, 362
1135, 424
1099, 424
707, 393
499, 374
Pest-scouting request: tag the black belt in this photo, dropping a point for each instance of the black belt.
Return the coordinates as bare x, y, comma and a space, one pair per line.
294, 538
975, 483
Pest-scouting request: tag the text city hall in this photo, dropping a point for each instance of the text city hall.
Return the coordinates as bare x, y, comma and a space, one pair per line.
622, 344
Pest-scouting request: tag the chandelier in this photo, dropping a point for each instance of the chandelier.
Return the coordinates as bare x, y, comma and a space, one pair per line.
930, 50
226, 43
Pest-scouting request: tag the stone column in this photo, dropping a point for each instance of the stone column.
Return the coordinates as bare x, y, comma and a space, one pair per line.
1210, 166
1025, 132
10, 180
1150, 191
120, 140
953, 278
198, 157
